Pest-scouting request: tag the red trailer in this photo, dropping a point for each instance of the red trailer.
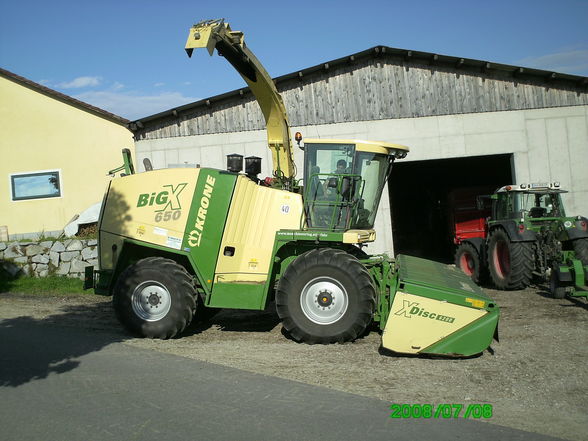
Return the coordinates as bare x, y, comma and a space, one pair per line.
468, 211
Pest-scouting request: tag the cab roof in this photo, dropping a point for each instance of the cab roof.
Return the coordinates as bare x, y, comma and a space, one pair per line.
535, 188
362, 146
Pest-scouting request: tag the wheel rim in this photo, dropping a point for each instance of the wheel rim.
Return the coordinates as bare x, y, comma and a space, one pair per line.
466, 263
501, 257
151, 301
324, 300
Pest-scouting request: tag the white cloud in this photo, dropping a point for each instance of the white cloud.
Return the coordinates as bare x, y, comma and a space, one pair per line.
80, 82
132, 106
568, 61
159, 84
117, 86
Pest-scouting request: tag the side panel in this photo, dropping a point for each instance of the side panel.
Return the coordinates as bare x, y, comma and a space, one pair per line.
417, 322
183, 210
110, 246
151, 207
470, 340
256, 214
206, 221
238, 296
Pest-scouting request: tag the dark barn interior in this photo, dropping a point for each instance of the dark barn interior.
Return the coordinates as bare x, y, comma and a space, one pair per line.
419, 199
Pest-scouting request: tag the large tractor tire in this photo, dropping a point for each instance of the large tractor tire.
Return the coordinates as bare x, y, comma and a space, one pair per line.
325, 296
510, 263
469, 261
581, 249
154, 298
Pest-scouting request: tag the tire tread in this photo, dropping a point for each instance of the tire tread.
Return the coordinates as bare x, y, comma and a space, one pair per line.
581, 249
327, 257
182, 317
521, 262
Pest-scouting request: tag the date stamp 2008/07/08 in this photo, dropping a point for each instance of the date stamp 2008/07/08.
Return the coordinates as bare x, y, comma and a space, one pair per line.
447, 410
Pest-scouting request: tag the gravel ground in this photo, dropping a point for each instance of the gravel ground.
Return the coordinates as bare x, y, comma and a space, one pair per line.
536, 379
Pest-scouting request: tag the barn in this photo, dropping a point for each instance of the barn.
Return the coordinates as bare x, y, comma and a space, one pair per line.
468, 123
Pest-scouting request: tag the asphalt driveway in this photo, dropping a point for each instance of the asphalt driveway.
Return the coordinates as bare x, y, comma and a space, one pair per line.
73, 384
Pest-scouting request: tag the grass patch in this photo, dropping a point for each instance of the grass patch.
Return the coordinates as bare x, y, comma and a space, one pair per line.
44, 285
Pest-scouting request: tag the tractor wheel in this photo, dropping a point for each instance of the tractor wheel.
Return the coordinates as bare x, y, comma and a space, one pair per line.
511, 263
154, 298
557, 291
467, 259
581, 249
325, 296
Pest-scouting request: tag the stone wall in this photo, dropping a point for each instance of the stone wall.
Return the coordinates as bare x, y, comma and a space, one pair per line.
40, 259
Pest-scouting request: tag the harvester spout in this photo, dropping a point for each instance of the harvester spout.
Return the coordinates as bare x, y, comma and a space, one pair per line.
216, 34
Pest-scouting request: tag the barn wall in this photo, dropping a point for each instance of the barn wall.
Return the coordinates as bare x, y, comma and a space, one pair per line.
547, 145
372, 89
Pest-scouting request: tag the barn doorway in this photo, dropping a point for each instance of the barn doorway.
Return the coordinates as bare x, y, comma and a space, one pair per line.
419, 199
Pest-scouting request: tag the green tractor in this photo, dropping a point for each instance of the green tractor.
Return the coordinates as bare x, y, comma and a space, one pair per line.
525, 233
178, 244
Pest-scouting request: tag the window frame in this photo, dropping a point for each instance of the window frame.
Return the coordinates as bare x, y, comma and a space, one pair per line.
13, 176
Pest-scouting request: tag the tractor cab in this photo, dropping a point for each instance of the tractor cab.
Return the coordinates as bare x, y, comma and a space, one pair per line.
529, 201
343, 182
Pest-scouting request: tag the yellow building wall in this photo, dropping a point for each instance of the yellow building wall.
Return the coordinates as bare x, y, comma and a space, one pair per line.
40, 133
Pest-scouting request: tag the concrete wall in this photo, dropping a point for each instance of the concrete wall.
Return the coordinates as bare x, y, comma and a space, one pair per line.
40, 133
547, 145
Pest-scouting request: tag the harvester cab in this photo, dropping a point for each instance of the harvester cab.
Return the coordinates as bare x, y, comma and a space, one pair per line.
175, 244
343, 181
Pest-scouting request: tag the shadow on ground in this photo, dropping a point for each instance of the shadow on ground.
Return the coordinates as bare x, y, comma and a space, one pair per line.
566, 302
236, 321
32, 349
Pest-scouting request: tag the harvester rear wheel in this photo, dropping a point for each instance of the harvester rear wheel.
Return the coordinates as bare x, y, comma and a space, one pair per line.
468, 260
511, 263
325, 296
581, 249
154, 298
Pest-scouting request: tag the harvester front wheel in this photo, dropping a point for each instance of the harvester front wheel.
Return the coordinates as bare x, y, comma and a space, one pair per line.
511, 263
581, 249
468, 260
325, 296
154, 298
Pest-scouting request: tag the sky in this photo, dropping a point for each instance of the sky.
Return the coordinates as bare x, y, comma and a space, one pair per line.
127, 56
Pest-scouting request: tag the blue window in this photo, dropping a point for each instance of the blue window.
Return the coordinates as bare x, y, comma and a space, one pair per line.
35, 185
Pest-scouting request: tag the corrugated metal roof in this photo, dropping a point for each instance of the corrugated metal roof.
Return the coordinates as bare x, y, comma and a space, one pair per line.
63, 98
468, 65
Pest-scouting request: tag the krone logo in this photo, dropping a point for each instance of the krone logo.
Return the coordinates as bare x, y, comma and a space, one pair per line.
195, 235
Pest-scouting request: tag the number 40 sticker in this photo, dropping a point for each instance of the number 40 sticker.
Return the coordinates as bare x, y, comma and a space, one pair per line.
285, 209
